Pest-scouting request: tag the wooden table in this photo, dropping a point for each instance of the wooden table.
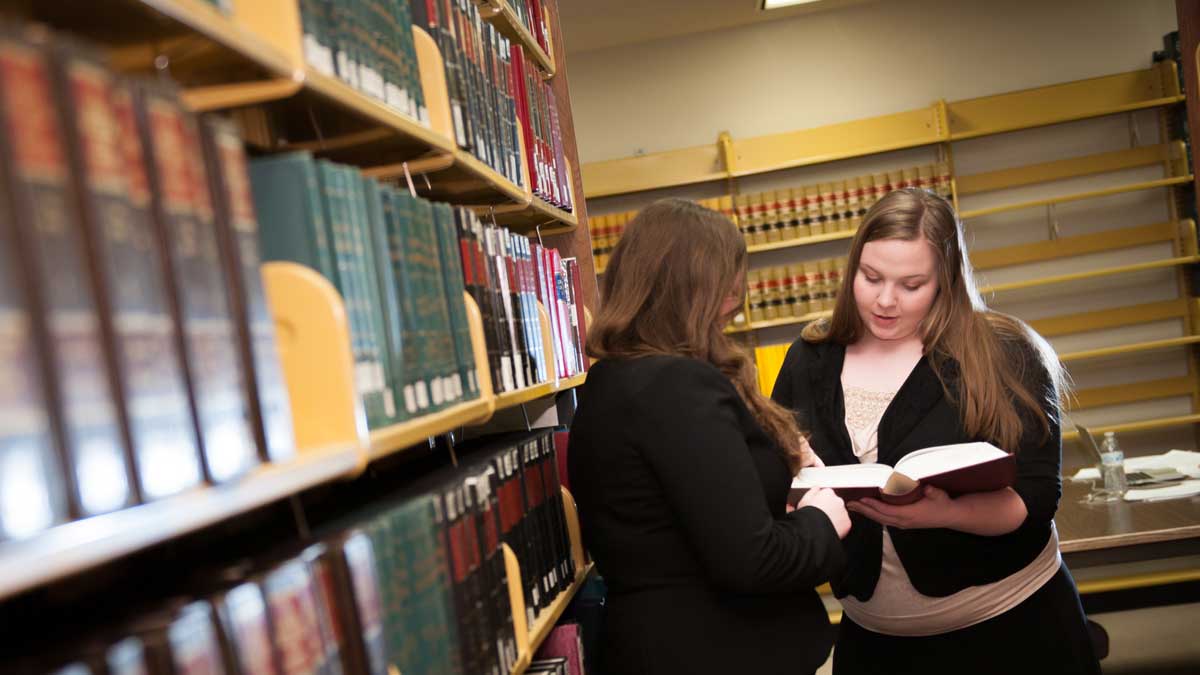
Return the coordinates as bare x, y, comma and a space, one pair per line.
1124, 530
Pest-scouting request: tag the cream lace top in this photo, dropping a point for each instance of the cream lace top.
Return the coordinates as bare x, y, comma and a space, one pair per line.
896, 608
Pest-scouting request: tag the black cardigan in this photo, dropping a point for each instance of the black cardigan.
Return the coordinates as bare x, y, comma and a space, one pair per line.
939, 562
682, 504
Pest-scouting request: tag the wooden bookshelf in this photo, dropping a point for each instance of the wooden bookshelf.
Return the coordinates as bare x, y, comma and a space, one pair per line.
1117, 317
1153, 424
1078, 196
545, 622
502, 15
83, 544
1071, 101
801, 241
392, 439
1128, 349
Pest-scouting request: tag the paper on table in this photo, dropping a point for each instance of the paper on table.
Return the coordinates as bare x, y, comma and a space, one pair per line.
1187, 488
1186, 462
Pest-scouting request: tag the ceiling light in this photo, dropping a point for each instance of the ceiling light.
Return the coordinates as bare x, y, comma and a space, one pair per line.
776, 4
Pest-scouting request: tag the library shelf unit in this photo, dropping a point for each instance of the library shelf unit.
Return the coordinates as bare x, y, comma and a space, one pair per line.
252, 60
250, 64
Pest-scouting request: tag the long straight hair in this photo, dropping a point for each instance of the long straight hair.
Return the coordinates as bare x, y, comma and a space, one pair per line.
992, 351
663, 289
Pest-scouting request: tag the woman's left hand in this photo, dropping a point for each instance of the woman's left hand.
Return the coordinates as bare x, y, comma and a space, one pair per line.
934, 509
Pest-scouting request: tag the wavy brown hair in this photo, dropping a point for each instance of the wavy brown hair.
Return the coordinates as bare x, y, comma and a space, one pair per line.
994, 353
663, 289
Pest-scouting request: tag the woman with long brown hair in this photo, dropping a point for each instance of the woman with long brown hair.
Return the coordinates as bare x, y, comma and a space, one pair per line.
681, 468
911, 359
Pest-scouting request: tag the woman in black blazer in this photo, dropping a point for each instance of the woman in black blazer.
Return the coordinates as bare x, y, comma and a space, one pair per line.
681, 469
912, 359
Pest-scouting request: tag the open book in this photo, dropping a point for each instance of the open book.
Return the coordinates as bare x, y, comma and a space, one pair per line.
957, 469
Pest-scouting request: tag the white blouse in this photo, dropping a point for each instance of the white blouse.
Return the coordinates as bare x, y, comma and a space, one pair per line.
896, 608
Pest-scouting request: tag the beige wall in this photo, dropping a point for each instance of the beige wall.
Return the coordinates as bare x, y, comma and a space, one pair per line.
847, 64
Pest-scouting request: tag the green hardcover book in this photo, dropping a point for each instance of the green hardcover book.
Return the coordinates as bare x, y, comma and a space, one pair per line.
433, 617
436, 308
314, 21
49, 242
187, 233
128, 269
405, 266
375, 310
411, 71
452, 277
337, 185
379, 210
291, 215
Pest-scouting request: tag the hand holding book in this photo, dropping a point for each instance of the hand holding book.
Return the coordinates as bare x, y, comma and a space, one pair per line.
955, 469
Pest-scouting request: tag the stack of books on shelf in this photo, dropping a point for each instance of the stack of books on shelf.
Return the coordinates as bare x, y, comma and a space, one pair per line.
825, 208
794, 291
606, 230
136, 346
368, 44
417, 585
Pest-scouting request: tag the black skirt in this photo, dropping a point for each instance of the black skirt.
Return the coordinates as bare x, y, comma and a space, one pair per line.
1047, 633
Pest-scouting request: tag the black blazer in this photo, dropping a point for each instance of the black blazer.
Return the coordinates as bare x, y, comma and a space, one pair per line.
682, 504
939, 562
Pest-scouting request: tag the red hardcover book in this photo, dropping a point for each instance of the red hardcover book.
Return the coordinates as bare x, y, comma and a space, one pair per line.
564, 642
295, 624
196, 285
561, 440
50, 247
958, 469
192, 638
237, 229
127, 267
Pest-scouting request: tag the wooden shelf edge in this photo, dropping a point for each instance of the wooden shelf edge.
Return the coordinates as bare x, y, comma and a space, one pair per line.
222, 29
838, 156
801, 241
572, 382
1090, 274
514, 398
1147, 537
1145, 580
392, 439
545, 622
1138, 425
1120, 189
343, 94
1099, 112
77, 546
508, 189
1133, 348
505, 19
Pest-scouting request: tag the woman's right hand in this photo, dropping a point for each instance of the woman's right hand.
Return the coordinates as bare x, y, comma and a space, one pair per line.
831, 505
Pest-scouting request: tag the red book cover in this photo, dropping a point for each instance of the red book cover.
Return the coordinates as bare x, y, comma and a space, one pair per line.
295, 626
50, 246
561, 439
243, 616
565, 641
958, 469
195, 649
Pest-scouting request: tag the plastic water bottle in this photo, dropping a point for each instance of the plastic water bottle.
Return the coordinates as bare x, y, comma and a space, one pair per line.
1112, 468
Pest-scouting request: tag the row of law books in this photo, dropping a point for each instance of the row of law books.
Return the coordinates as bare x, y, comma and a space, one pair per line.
367, 44
136, 345
402, 264
531, 14
418, 585
824, 208
795, 290
606, 230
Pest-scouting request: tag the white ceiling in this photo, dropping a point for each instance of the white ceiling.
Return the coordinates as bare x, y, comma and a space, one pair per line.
589, 25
